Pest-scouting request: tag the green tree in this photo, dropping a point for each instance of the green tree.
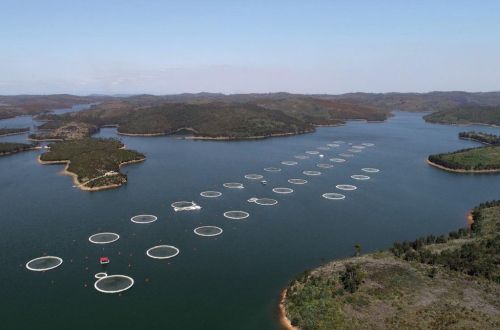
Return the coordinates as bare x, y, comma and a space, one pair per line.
357, 249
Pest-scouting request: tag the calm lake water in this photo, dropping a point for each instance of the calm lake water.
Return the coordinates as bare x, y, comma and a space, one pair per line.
230, 281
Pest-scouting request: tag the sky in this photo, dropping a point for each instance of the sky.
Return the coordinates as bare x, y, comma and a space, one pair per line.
313, 46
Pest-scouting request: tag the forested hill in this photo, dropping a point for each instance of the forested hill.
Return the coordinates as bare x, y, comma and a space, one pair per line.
267, 117
489, 115
297, 110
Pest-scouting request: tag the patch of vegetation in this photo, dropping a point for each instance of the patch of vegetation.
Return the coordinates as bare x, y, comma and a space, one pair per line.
472, 159
319, 111
470, 114
12, 131
7, 148
445, 282
481, 137
95, 162
66, 131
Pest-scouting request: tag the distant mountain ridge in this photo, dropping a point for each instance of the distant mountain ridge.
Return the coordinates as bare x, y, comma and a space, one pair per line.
300, 111
431, 101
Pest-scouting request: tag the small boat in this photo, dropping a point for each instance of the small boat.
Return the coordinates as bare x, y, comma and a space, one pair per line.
104, 260
264, 182
321, 156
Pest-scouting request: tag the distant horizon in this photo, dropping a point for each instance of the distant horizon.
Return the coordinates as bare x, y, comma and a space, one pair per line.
229, 94
249, 93
321, 47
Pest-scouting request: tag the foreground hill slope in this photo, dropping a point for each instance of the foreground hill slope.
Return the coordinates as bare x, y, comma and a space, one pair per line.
446, 282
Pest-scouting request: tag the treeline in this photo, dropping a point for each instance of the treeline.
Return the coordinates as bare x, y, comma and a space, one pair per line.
479, 256
485, 138
11, 131
11, 147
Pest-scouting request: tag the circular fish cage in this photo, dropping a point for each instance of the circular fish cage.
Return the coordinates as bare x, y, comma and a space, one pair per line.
104, 238
44, 263
114, 283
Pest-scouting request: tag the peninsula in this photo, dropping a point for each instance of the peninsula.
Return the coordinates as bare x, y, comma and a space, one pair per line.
472, 160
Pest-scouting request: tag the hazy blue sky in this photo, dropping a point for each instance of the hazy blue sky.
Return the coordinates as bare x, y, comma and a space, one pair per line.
234, 46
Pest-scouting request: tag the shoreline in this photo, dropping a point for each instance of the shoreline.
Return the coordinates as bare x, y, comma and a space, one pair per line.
45, 140
330, 125
462, 171
16, 133
462, 124
218, 138
74, 176
283, 319
474, 140
255, 137
141, 134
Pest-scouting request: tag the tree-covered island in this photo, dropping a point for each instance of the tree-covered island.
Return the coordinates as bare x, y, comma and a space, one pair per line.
93, 163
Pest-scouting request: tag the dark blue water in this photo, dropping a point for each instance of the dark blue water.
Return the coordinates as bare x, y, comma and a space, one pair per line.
231, 281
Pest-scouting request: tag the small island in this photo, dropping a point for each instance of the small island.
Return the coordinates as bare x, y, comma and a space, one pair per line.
8, 148
13, 131
448, 281
93, 163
